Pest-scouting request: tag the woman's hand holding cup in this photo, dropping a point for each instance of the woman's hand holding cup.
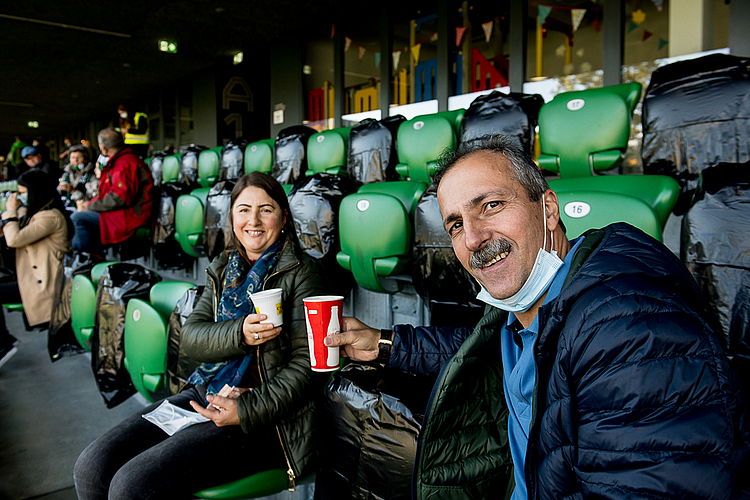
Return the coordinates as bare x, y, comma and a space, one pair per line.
255, 332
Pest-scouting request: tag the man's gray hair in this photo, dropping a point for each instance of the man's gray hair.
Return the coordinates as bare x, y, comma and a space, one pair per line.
524, 170
110, 138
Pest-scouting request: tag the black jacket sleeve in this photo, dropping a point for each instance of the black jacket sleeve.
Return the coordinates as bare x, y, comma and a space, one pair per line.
424, 350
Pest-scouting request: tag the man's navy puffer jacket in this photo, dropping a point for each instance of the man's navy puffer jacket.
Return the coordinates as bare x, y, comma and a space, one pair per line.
634, 395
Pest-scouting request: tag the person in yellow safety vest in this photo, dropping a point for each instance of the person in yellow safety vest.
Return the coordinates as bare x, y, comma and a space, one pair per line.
135, 130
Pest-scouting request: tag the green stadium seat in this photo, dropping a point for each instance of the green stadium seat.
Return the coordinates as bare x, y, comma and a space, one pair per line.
170, 168
259, 156
423, 139
145, 337
586, 131
14, 306
660, 192
375, 229
327, 152
83, 304
209, 162
258, 485
188, 221
584, 210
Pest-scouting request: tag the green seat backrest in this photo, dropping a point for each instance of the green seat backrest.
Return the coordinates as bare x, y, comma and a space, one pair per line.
209, 162
586, 131
97, 270
423, 139
188, 221
170, 168
258, 485
327, 151
165, 295
375, 230
657, 191
583, 210
145, 341
83, 309
259, 156
407, 192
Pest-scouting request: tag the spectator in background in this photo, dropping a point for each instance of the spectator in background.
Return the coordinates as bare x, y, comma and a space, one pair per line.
34, 160
134, 128
41, 147
14, 155
68, 143
79, 182
41, 237
124, 201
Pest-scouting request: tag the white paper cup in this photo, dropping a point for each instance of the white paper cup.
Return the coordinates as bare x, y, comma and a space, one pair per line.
268, 302
323, 317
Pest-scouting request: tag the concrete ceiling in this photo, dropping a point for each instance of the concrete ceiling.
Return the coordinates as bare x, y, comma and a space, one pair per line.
65, 63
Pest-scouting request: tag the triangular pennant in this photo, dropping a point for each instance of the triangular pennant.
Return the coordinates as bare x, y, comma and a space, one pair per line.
646, 35
362, 51
487, 28
543, 13
662, 43
576, 16
333, 30
347, 43
377, 59
632, 26
415, 52
596, 24
396, 59
659, 4
460, 30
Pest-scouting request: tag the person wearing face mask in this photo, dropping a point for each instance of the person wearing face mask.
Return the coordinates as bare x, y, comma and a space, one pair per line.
124, 201
78, 182
41, 236
592, 373
134, 128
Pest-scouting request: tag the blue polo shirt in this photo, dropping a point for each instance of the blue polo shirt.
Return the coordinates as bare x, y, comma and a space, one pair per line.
519, 376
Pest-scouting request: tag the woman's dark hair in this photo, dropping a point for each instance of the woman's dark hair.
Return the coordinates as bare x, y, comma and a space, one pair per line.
42, 195
272, 187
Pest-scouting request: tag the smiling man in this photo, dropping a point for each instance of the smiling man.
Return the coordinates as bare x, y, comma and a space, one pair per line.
592, 373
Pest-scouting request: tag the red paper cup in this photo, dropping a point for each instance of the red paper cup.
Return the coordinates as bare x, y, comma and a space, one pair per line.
323, 317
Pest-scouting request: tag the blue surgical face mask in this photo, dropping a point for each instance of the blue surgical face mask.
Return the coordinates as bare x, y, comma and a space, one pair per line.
23, 198
545, 268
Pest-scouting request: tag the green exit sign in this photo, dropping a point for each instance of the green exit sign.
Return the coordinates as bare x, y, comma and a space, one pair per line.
167, 46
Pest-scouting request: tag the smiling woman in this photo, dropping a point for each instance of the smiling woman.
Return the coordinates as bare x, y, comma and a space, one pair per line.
255, 387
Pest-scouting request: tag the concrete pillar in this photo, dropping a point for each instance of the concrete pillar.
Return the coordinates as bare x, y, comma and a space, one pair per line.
690, 27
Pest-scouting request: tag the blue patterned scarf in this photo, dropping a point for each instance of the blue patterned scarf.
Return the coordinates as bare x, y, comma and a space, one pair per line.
235, 303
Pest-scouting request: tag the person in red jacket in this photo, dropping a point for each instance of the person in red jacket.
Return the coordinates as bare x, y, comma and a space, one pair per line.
125, 200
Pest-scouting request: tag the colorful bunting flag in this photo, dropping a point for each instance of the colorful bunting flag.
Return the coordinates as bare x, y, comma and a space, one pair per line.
662, 43
333, 30
596, 24
576, 16
415, 52
362, 51
460, 30
632, 26
347, 43
639, 16
377, 59
659, 5
646, 35
543, 13
487, 27
396, 59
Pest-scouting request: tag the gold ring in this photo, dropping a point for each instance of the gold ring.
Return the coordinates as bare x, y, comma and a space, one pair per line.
257, 336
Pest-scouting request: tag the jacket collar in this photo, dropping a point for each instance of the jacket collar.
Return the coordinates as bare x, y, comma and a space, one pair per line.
288, 259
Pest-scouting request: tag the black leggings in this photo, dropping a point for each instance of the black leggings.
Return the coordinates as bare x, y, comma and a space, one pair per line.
9, 293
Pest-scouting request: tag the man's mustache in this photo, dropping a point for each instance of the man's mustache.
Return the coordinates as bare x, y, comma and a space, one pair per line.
488, 252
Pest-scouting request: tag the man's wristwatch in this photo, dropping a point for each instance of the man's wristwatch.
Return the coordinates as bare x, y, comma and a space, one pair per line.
385, 345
